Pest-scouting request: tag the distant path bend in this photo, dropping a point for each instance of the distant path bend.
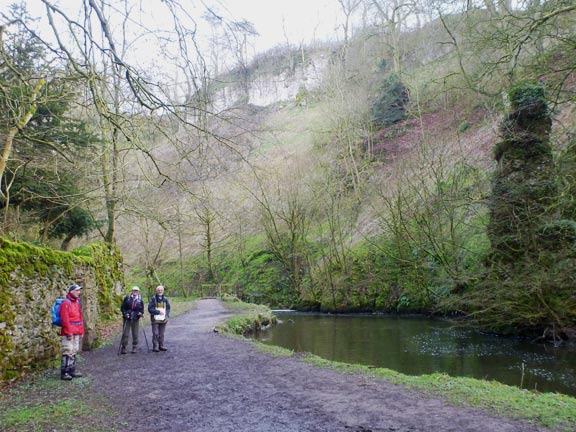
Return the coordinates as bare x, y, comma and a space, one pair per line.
208, 382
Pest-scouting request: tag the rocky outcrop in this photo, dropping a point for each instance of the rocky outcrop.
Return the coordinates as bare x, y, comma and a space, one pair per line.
265, 86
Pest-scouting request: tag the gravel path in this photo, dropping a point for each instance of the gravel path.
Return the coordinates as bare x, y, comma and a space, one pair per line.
207, 382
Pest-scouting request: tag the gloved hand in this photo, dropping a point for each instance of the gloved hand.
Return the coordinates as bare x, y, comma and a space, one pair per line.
127, 315
156, 312
139, 314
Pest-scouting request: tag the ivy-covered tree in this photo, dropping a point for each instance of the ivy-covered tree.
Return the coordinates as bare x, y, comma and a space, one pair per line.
530, 285
523, 186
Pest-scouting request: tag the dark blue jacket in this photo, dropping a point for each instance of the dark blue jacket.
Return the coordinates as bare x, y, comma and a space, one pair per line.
158, 302
132, 307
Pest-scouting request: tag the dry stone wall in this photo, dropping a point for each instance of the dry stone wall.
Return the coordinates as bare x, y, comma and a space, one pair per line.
31, 279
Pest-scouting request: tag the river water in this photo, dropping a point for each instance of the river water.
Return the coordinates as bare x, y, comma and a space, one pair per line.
420, 345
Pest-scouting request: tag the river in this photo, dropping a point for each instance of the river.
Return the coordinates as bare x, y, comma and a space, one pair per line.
421, 345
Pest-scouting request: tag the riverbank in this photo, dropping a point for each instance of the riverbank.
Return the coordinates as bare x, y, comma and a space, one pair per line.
210, 382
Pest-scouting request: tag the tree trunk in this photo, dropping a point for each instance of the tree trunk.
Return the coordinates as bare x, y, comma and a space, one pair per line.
20, 124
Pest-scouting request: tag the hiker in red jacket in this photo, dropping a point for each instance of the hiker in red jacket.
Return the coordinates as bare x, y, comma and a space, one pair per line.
72, 332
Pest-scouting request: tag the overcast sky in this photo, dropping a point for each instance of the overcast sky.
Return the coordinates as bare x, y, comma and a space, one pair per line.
300, 20
275, 20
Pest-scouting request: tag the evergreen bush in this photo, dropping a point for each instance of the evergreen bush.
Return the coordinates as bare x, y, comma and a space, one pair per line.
390, 101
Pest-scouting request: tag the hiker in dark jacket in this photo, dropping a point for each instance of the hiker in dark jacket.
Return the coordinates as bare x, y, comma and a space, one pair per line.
72, 332
132, 310
159, 308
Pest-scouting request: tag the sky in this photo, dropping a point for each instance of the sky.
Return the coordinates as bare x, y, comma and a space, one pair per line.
299, 20
275, 20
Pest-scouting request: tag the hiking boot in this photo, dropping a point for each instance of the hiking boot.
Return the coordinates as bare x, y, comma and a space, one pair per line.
155, 349
163, 348
72, 371
66, 376
65, 368
72, 368
123, 350
134, 350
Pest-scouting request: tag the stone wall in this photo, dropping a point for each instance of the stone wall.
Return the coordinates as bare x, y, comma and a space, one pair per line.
31, 279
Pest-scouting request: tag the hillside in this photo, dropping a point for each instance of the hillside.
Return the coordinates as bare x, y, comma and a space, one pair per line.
425, 164
288, 139
367, 189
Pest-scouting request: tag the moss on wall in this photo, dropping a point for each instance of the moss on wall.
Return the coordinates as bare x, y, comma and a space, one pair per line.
108, 265
31, 278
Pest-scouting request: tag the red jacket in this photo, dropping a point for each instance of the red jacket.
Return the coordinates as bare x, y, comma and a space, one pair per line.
71, 316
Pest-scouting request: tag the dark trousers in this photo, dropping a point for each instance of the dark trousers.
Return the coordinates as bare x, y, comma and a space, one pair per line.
130, 326
158, 334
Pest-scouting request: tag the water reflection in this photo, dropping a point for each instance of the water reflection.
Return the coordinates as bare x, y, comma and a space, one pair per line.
417, 345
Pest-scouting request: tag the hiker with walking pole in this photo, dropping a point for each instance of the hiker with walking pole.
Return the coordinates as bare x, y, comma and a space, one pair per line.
132, 310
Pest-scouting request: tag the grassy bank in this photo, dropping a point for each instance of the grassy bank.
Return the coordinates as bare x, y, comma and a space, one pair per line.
251, 317
545, 409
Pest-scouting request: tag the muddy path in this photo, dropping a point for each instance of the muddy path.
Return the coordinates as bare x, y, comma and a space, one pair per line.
207, 382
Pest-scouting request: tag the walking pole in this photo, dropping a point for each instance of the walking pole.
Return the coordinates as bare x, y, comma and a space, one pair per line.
123, 329
145, 338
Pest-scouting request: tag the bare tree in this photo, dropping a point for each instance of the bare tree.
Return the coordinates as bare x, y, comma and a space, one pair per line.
348, 7
392, 18
94, 39
509, 43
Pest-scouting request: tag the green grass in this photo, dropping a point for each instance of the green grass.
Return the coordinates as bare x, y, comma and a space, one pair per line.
251, 317
42, 402
274, 351
233, 304
62, 412
181, 305
546, 409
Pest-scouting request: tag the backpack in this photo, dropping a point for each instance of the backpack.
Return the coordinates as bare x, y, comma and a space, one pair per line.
56, 312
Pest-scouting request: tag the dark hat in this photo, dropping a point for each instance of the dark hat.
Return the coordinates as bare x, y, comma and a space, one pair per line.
74, 288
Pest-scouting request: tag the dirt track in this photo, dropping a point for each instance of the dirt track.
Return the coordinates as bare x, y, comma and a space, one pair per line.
208, 382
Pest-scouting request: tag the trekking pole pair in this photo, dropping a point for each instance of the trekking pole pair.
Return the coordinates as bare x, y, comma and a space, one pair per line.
124, 329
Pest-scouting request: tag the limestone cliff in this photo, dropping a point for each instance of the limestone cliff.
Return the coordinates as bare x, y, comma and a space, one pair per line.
279, 76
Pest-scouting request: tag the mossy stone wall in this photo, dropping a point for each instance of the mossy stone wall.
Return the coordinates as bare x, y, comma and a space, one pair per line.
31, 279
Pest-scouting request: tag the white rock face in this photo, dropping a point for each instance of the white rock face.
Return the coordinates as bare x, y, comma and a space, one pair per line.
267, 89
